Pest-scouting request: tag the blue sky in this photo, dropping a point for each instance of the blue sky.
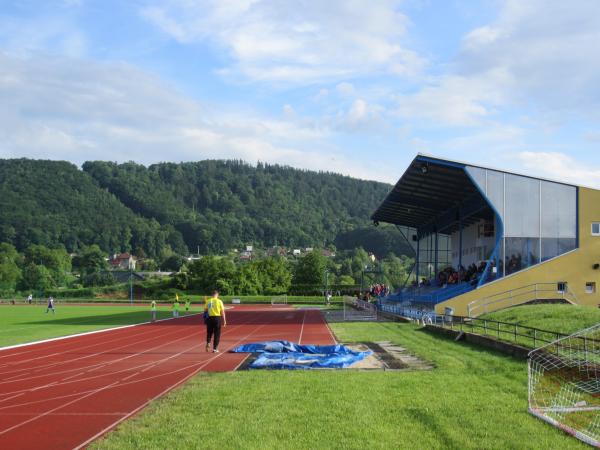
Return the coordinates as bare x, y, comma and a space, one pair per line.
348, 86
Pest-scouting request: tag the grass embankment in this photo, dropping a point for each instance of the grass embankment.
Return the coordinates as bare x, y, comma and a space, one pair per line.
564, 319
19, 324
474, 399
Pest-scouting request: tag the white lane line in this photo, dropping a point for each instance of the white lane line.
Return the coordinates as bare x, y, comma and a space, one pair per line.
17, 362
29, 373
92, 368
104, 375
55, 414
104, 330
11, 397
302, 328
118, 384
157, 335
179, 383
56, 409
328, 328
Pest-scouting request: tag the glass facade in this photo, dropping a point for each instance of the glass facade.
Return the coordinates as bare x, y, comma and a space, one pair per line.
428, 263
539, 218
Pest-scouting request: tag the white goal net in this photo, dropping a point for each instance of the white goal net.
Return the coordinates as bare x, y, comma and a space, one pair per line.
279, 300
564, 387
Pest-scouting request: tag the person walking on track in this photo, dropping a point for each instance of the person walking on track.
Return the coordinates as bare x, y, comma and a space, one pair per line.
188, 303
176, 308
216, 319
153, 309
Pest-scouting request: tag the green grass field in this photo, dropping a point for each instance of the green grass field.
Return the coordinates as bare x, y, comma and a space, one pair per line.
474, 399
560, 318
26, 323
196, 298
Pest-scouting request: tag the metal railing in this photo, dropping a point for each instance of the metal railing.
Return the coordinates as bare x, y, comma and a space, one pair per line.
523, 294
523, 335
504, 331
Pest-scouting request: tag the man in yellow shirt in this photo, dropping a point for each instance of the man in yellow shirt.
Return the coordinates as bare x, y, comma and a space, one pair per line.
153, 309
176, 308
216, 319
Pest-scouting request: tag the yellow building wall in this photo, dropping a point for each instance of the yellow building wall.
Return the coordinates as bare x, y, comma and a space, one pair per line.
575, 267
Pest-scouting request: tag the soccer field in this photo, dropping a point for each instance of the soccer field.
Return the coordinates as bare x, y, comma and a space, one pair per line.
27, 323
474, 398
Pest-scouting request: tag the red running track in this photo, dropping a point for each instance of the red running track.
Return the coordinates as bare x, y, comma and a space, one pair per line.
65, 393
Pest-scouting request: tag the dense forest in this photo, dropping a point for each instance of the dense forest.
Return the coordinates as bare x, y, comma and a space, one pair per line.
176, 208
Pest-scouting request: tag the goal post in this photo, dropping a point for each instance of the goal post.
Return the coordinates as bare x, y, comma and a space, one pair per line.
564, 384
279, 300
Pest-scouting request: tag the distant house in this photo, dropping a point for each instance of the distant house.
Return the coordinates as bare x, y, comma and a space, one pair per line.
123, 261
277, 251
296, 252
249, 248
328, 254
245, 255
308, 249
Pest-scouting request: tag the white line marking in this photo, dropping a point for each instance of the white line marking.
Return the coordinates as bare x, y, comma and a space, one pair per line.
30, 374
302, 328
11, 397
104, 330
179, 383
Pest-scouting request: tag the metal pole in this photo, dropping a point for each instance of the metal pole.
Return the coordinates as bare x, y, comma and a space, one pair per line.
130, 285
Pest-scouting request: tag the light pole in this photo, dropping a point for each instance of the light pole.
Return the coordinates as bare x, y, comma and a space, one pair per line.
131, 284
326, 283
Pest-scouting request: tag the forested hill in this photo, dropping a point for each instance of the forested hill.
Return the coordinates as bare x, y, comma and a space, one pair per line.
216, 205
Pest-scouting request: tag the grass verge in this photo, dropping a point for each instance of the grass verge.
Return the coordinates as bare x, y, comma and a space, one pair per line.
560, 318
474, 399
27, 323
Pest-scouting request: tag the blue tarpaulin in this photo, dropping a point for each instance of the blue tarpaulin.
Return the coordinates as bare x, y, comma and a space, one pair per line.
288, 355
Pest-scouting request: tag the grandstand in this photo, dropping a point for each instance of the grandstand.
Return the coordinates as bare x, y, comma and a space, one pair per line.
482, 238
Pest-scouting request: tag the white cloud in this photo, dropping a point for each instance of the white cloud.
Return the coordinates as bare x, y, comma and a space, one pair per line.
560, 167
451, 100
537, 56
47, 34
66, 109
311, 41
548, 51
345, 89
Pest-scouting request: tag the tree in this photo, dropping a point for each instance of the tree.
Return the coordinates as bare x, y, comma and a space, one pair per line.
10, 273
345, 279
310, 269
56, 261
172, 263
37, 278
247, 280
91, 260
275, 275
98, 278
210, 273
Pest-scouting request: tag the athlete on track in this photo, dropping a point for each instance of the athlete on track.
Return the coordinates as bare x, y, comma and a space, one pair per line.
176, 308
153, 309
216, 319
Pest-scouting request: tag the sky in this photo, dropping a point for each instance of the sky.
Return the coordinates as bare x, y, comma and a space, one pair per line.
350, 86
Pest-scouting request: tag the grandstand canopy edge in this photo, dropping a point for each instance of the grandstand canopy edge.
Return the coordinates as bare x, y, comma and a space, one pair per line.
460, 214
